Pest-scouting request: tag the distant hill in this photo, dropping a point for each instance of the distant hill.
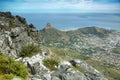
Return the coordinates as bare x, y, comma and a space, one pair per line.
52, 35
92, 41
101, 32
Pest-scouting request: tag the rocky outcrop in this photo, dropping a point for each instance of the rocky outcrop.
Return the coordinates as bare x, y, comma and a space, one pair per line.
66, 71
35, 65
90, 72
12, 41
6, 44
15, 33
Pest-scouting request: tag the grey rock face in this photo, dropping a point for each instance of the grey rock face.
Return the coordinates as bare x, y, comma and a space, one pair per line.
21, 40
31, 68
12, 41
6, 43
90, 72
13, 34
34, 34
69, 74
16, 31
66, 72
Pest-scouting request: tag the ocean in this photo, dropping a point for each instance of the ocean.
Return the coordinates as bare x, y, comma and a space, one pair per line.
70, 21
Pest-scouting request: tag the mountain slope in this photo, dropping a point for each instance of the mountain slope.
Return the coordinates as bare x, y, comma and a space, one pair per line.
93, 42
76, 55
100, 32
51, 35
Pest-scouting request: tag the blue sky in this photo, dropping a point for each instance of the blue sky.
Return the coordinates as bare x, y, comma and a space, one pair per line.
60, 6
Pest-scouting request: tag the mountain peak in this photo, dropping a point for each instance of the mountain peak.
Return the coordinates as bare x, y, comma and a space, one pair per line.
49, 26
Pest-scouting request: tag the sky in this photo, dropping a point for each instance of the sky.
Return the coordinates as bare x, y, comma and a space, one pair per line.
60, 6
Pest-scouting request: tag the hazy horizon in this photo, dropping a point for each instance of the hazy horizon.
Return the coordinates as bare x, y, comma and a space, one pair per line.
71, 21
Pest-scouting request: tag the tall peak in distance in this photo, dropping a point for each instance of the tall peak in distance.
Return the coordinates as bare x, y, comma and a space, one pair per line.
49, 26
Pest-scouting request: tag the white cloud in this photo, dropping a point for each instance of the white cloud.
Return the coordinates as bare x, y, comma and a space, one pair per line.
76, 5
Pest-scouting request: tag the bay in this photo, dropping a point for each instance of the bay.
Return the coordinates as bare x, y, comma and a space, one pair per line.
70, 21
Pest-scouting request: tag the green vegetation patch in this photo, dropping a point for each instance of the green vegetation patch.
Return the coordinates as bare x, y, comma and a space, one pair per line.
9, 77
10, 68
51, 63
29, 50
108, 71
116, 50
67, 54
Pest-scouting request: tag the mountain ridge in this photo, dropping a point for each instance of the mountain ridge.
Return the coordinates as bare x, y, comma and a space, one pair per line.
86, 30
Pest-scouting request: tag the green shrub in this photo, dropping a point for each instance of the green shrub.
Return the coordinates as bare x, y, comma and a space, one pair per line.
29, 50
9, 77
1, 53
108, 71
51, 63
9, 66
116, 50
6, 76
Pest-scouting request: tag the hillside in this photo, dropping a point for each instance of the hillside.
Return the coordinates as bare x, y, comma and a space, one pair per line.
90, 53
93, 42
50, 34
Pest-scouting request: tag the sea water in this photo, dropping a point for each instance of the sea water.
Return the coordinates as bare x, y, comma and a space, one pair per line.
69, 21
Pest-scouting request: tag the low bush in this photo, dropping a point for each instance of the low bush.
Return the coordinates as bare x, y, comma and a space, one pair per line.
29, 50
10, 68
51, 63
116, 50
9, 77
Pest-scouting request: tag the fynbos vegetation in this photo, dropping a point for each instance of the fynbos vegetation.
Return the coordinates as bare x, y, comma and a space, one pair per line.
29, 50
51, 63
9, 69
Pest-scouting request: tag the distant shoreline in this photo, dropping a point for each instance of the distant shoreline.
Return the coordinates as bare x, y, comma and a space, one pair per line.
68, 21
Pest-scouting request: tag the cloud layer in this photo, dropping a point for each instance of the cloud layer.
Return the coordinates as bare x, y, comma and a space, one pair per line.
60, 5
